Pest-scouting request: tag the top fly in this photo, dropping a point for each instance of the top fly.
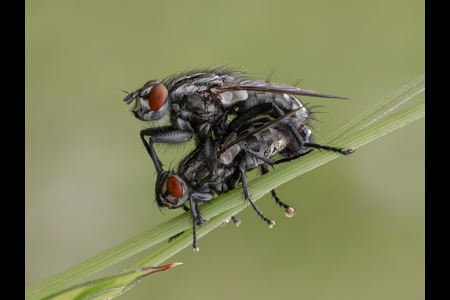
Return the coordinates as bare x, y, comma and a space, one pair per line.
199, 103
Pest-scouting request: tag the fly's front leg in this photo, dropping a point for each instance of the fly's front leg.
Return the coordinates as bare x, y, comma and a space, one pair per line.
194, 223
247, 193
289, 211
194, 199
167, 135
178, 234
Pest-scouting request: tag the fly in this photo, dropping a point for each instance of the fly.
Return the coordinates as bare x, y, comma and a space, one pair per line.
199, 103
251, 146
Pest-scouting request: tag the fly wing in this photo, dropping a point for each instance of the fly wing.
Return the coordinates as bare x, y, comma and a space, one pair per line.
259, 129
234, 82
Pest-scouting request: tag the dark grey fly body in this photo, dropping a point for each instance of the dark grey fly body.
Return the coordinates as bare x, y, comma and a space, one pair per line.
253, 145
199, 103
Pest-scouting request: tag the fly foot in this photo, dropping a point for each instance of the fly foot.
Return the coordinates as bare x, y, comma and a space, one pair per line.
289, 212
237, 222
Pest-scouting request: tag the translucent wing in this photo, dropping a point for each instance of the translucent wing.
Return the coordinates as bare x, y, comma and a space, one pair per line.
232, 141
234, 82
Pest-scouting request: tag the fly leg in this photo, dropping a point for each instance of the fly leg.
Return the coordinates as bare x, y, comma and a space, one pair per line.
165, 134
178, 234
250, 114
211, 155
194, 199
195, 215
311, 145
329, 148
236, 222
289, 211
247, 193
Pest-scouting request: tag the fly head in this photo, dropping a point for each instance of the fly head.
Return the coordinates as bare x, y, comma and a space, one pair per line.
151, 101
171, 191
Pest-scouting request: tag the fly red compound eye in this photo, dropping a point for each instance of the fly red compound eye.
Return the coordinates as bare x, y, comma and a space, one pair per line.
157, 97
174, 187
150, 82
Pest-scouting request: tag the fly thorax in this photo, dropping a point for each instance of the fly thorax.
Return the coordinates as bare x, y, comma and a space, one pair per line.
201, 175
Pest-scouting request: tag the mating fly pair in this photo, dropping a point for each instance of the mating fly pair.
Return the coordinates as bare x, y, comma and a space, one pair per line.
199, 103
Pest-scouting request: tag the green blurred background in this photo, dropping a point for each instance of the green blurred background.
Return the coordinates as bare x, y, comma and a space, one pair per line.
359, 231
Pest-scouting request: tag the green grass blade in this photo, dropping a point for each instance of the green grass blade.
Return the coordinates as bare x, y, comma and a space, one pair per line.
262, 185
108, 287
379, 120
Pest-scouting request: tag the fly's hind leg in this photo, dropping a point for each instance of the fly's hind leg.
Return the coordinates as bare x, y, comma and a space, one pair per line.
329, 148
247, 193
289, 211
